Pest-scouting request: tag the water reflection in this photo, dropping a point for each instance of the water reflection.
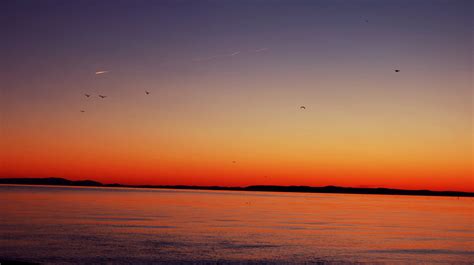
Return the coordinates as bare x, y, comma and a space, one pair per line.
114, 225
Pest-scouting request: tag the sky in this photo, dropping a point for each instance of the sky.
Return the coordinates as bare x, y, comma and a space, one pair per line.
226, 80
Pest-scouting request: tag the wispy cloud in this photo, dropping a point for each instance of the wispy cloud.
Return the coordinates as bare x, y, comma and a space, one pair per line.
235, 53
261, 50
206, 58
101, 72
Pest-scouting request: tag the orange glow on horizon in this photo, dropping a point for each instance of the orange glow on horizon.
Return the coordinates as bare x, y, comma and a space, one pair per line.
168, 118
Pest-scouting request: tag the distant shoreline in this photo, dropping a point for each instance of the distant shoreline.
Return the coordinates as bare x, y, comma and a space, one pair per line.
267, 188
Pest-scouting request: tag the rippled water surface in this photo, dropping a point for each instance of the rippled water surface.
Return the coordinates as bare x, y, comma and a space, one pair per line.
53, 225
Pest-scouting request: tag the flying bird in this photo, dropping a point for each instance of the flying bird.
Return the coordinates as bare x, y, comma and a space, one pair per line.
147, 92
302, 107
397, 70
101, 72
87, 95
83, 111
102, 96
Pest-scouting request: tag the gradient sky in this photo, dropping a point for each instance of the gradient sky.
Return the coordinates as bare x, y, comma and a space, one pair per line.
364, 125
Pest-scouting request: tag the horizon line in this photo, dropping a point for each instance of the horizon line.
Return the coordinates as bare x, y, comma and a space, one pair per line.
57, 181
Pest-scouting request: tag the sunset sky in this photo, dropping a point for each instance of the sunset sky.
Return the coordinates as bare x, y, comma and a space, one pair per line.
226, 82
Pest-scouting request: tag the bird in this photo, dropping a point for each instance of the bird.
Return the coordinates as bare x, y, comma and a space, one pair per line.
87, 95
147, 92
233, 161
102, 96
302, 107
397, 70
83, 110
366, 21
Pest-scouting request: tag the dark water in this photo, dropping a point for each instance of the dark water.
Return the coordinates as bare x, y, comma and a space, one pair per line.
58, 225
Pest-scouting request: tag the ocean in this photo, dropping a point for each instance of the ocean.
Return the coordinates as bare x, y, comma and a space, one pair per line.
88, 225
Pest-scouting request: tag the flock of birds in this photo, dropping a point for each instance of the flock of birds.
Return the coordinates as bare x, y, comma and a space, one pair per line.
89, 95
101, 72
104, 96
148, 92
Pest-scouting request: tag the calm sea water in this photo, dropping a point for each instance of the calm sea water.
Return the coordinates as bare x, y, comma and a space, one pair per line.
56, 225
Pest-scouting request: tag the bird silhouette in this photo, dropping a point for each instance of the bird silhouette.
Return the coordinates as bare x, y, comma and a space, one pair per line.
233, 161
302, 107
87, 95
396, 70
83, 111
147, 92
102, 96
366, 21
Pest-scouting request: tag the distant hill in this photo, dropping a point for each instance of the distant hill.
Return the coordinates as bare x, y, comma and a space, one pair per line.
326, 189
49, 181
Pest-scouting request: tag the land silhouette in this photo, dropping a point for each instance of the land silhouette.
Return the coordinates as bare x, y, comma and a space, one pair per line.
270, 188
